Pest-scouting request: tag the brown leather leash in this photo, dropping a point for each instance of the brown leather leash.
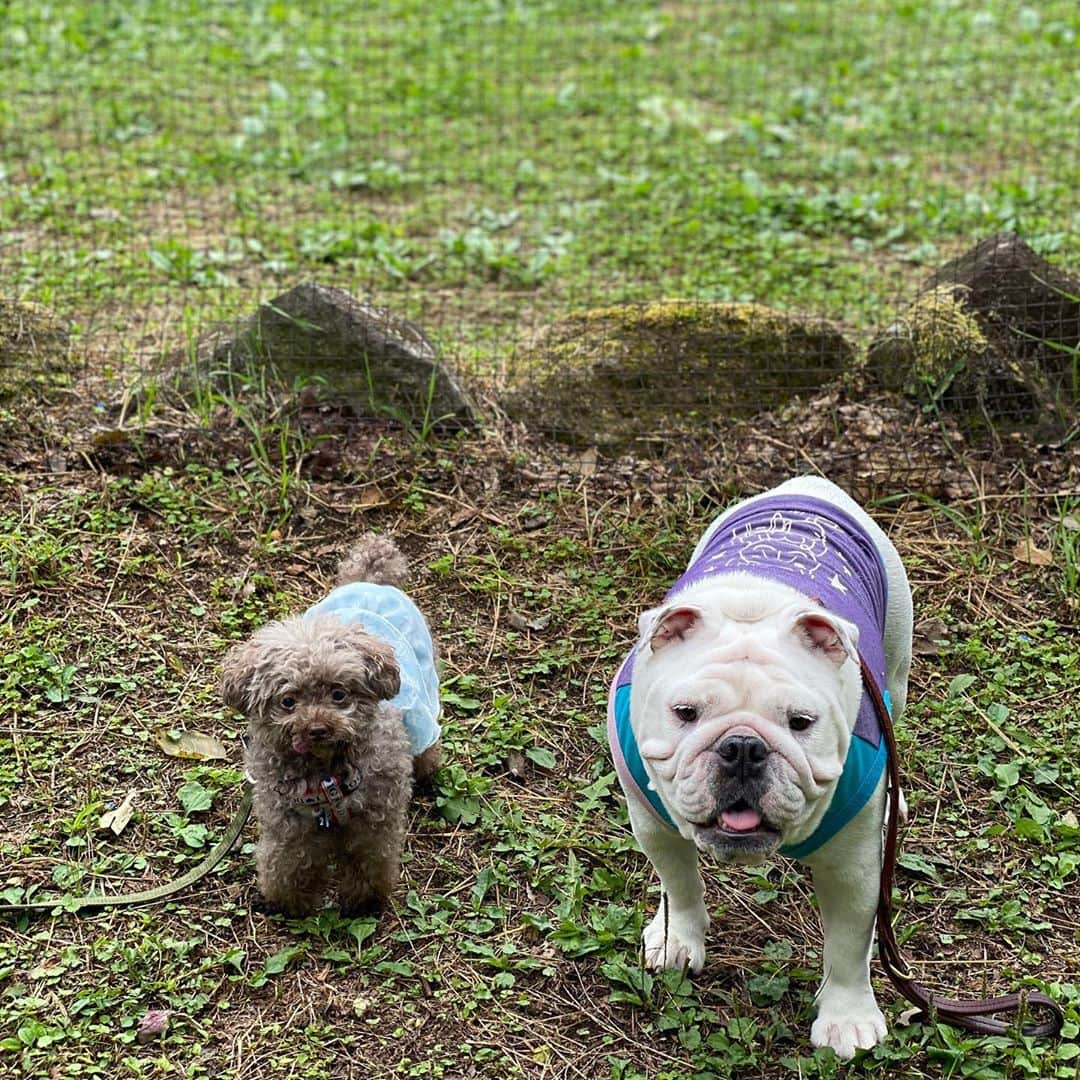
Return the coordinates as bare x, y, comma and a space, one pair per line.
978, 1014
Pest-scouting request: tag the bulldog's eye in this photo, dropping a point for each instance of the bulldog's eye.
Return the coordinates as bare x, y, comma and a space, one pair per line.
288, 702
687, 714
338, 696
800, 721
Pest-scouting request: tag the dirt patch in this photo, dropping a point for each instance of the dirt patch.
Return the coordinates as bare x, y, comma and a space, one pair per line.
511, 946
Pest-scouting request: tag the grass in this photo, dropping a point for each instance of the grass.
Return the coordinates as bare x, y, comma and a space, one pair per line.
483, 167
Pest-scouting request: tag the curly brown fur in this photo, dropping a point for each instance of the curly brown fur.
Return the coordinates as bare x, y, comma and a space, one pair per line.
427, 763
315, 692
374, 558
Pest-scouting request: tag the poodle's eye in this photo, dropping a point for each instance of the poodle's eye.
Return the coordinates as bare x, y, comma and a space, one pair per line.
338, 696
800, 721
687, 714
288, 702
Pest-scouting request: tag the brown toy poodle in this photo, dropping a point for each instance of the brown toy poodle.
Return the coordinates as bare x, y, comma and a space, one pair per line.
342, 705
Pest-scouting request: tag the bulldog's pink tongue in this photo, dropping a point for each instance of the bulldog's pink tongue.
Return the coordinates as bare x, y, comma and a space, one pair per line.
740, 820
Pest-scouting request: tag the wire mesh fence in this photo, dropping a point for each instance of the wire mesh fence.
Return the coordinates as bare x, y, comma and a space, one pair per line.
614, 220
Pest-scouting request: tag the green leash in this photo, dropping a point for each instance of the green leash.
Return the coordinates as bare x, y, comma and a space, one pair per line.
148, 896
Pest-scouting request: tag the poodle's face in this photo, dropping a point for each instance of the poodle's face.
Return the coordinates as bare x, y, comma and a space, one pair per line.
309, 685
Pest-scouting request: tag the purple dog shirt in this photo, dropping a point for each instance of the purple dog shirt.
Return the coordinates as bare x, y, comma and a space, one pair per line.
824, 553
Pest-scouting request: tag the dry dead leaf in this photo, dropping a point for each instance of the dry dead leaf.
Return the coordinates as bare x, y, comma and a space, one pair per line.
929, 636
461, 517
522, 622
193, 745
153, 1025
515, 763
370, 495
1026, 552
585, 462
118, 818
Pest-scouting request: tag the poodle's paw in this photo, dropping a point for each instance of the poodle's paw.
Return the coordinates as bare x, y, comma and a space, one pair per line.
848, 1022
368, 895
355, 907
293, 908
676, 940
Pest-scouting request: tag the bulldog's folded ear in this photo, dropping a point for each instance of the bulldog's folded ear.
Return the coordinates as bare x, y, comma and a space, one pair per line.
834, 637
671, 622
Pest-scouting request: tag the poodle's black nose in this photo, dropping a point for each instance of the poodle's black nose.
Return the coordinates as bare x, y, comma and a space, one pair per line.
318, 731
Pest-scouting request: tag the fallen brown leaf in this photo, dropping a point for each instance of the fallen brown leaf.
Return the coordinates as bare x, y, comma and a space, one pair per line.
193, 745
929, 636
464, 515
1026, 552
585, 462
153, 1025
522, 622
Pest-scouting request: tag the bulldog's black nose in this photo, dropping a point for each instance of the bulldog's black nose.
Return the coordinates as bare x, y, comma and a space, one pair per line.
743, 756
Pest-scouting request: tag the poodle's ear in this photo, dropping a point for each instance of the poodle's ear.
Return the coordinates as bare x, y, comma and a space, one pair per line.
378, 665
237, 675
384, 676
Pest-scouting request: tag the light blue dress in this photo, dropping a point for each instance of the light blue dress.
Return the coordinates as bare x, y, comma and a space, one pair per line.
387, 613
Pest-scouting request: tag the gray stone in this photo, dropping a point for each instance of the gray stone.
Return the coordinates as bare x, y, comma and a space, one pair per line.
1010, 285
357, 353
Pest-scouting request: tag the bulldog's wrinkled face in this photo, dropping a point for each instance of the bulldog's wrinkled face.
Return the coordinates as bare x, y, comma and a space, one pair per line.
743, 709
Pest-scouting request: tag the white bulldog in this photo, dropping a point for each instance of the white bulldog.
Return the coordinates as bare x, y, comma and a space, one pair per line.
740, 726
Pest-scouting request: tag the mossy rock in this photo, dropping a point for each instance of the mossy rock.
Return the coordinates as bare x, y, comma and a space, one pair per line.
355, 352
992, 337
923, 346
34, 348
614, 375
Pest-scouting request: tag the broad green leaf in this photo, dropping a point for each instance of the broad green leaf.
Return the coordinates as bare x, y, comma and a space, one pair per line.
194, 797
959, 684
362, 929
193, 835
541, 756
277, 963
1007, 774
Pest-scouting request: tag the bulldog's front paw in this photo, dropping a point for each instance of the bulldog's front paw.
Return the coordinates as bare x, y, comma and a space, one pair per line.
676, 940
848, 1023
